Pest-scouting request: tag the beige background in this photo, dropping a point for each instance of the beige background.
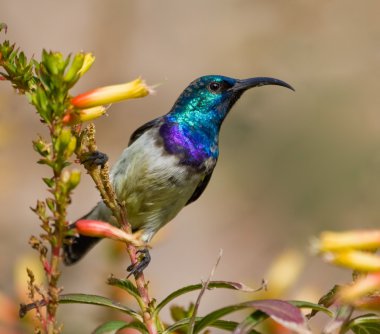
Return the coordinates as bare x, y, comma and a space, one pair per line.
291, 164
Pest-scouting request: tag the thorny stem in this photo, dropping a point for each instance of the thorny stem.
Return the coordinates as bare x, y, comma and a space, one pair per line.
103, 184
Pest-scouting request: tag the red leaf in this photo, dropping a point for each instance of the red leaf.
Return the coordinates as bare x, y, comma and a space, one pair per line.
284, 313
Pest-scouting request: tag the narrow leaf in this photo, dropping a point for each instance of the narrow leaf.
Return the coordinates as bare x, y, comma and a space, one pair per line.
280, 311
284, 313
49, 181
365, 324
97, 300
211, 285
109, 327
126, 285
114, 326
220, 324
210, 318
312, 306
251, 321
326, 300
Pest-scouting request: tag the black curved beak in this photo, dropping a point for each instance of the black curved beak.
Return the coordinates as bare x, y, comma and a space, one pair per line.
244, 84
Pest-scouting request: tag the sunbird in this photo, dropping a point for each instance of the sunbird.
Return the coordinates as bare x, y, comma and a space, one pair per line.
169, 161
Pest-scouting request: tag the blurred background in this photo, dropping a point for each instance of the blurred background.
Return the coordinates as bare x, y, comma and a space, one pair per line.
291, 164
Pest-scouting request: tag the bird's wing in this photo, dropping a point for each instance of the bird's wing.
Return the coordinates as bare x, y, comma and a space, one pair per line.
139, 131
200, 188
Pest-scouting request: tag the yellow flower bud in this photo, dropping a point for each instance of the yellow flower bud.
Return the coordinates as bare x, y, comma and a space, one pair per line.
359, 239
357, 260
71, 147
65, 137
83, 115
72, 74
91, 113
111, 94
89, 59
74, 178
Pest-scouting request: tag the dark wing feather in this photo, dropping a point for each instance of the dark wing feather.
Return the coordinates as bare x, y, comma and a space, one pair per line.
200, 188
139, 131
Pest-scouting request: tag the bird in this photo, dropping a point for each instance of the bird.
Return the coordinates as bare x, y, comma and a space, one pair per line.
168, 162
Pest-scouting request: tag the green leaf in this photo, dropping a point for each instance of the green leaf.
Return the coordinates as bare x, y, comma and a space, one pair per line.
81, 298
251, 321
283, 313
326, 300
312, 306
179, 312
114, 326
212, 317
126, 285
280, 311
194, 287
49, 181
365, 324
220, 324
110, 327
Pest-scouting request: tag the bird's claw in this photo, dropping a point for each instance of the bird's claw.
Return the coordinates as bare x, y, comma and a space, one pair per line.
136, 269
95, 158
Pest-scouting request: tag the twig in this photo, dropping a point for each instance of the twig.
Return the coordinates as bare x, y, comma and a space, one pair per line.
25, 308
205, 286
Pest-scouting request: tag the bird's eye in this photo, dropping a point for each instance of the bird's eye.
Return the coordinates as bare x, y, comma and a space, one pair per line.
214, 86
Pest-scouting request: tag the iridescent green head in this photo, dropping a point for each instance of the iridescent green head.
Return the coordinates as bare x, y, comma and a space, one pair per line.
191, 129
209, 98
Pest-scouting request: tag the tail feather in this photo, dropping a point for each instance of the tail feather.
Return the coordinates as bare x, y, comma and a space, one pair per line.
77, 247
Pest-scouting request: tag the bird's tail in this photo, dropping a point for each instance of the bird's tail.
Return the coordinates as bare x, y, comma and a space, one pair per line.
77, 246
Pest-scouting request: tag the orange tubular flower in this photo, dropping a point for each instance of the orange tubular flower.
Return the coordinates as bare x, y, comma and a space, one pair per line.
111, 94
95, 228
361, 288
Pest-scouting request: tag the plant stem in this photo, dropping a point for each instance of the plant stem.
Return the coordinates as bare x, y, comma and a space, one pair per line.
102, 182
141, 284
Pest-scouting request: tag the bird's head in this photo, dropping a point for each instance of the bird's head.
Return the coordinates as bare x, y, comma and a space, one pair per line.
191, 129
209, 98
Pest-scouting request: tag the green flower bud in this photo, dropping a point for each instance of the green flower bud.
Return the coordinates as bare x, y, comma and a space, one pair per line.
71, 147
72, 75
74, 178
51, 204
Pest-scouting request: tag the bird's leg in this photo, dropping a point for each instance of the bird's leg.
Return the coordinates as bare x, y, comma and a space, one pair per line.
94, 158
137, 268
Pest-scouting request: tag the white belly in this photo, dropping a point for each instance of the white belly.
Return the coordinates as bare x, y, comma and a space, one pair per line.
152, 185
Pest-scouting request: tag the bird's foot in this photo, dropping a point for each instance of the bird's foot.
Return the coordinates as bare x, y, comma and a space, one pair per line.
94, 158
136, 269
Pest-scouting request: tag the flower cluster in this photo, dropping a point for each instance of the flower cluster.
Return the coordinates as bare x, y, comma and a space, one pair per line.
355, 250
94, 103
